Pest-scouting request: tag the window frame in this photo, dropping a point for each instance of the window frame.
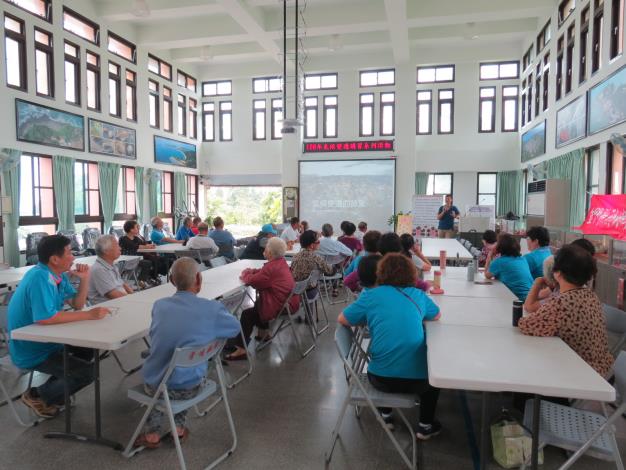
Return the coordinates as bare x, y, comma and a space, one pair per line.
125, 42
478, 193
325, 109
583, 50
434, 175
366, 105
86, 218
499, 64
569, 58
221, 114
267, 80
276, 130
164, 196
76, 61
38, 219
616, 47
168, 100
391, 104
155, 95
131, 84
160, 63
435, 67
204, 125
308, 108
181, 128
96, 70
378, 72
256, 111
561, 10
127, 215
546, 81
541, 38
430, 112
21, 41
517, 105
444, 101
77, 16
118, 81
320, 75
192, 182
48, 4
596, 37
491, 99
192, 118
188, 79
48, 50
216, 83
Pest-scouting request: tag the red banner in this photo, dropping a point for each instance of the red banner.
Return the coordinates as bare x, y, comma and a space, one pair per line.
606, 216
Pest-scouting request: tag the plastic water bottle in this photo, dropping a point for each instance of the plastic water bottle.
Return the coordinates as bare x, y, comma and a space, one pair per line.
471, 271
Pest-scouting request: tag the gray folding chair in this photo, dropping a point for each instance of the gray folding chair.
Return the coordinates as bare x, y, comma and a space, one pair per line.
203, 256
362, 393
90, 236
581, 431
313, 302
146, 230
117, 232
286, 318
334, 278
233, 304
32, 242
615, 324
185, 357
218, 261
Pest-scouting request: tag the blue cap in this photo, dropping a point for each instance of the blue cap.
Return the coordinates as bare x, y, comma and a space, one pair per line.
267, 228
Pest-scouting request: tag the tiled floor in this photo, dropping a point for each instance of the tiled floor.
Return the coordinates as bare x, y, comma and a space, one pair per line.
284, 414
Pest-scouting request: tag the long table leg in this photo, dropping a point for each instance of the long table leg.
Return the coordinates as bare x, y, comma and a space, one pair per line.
484, 431
534, 460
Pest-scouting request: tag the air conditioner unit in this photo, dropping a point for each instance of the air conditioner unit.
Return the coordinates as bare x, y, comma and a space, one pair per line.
547, 203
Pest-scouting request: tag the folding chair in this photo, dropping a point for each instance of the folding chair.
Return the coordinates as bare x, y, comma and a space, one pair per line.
315, 301
581, 431
203, 256
334, 278
616, 324
185, 357
286, 316
362, 393
233, 304
90, 236
218, 261
32, 242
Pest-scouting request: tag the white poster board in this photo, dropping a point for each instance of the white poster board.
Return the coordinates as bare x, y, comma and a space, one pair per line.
480, 211
425, 210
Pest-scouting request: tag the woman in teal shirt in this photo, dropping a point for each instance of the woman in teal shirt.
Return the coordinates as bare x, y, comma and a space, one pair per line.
395, 311
510, 268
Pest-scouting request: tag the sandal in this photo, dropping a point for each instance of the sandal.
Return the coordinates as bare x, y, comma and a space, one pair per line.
142, 441
232, 357
182, 436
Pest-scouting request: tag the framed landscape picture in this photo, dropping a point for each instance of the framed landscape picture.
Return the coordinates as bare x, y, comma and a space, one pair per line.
571, 122
110, 139
174, 152
607, 102
42, 125
534, 141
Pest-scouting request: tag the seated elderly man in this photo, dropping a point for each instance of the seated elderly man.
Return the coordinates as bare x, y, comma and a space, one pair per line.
202, 241
179, 321
333, 250
106, 282
157, 236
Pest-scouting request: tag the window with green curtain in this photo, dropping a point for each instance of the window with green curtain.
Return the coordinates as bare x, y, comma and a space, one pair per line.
11, 176
180, 194
139, 194
510, 192
109, 175
63, 176
154, 183
421, 183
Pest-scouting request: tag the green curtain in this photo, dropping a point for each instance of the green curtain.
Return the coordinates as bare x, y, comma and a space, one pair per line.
139, 194
570, 167
180, 194
421, 183
11, 175
63, 176
510, 190
109, 174
153, 191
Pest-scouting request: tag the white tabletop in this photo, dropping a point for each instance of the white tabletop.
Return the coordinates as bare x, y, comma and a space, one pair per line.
460, 287
503, 360
293, 251
476, 311
165, 248
432, 246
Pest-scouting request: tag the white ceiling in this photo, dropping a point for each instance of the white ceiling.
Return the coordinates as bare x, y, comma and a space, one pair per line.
240, 31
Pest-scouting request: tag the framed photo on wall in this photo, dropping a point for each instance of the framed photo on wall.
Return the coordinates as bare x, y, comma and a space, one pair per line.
571, 122
111, 139
607, 102
43, 125
174, 152
290, 202
534, 142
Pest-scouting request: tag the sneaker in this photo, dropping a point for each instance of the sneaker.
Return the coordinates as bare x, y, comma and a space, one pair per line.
388, 419
426, 431
38, 406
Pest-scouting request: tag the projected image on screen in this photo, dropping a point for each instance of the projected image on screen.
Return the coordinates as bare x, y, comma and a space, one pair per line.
354, 190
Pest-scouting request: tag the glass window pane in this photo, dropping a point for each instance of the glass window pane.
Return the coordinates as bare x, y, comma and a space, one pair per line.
486, 110
330, 100
329, 81
424, 118
423, 95
444, 74
365, 99
47, 202
445, 119
487, 183
510, 111
94, 203
70, 82
366, 123
226, 126
430, 186
310, 102
224, 88
508, 70
311, 123
45, 171
488, 71
153, 65
12, 25
312, 82
41, 72
26, 186
208, 127
387, 127
387, 97
487, 92
331, 122
509, 91
113, 91
120, 199
486, 200
386, 77
368, 78
259, 104
259, 129
426, 75
443, 184
445, 95
14, 76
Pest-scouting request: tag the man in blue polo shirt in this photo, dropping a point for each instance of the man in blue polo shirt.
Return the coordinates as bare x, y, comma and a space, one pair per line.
446, 215
39, 299
223, 239
158, 236
538, 241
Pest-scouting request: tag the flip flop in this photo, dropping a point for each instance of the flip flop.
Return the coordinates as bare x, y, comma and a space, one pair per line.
141, 441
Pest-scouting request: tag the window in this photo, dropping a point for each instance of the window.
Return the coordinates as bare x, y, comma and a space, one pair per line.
524, 91
543, 38
526, 60
487, 109
330, 116
40, 8
153, 104
387, 113
277, 117
424, 112
446, 112
569, 58
546, 79
616, 183
617, 28
114, 90
310, 117
486, 195
159, 67
559, 67
325, 81
93, 81
193, 118
15, 52
121, 47
131, 95
259, 115
125, 208
81, 26
529, 101
439, 184
509, 108
217, 88
226, 121
186, 81
36, 197
592, 173
267, 84
192, 192
182, 121
86, 193
584, 36
72, 73
44, 63
366, 114
566, 7
538, 89
441, 73
378, 78
596, 38
499, 70
208, 122
168, 110
165, 207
